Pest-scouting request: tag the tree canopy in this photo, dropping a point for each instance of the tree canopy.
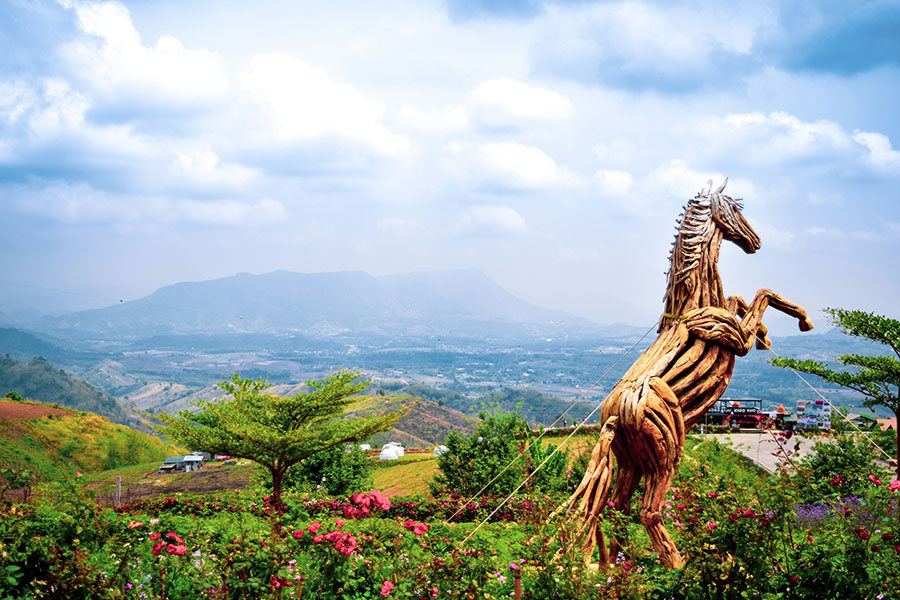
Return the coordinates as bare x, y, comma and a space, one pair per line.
276, 431
876, 377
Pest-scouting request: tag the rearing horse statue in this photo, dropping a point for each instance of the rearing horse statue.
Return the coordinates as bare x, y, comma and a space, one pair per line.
678, 378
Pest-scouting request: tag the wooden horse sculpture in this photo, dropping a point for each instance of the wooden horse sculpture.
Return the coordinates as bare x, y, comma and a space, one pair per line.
678, 378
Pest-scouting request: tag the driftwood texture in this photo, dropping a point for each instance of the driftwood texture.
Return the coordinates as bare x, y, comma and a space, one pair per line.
678, 378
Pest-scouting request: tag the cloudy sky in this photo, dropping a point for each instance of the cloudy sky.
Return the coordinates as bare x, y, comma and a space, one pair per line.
551, 145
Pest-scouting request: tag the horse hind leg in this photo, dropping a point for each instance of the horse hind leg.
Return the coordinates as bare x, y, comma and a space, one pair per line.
627, 480
656, 485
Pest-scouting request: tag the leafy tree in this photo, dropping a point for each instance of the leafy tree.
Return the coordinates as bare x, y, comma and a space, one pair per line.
876, 377
499, 440
14, 396
276, 431
842, 466
338, 471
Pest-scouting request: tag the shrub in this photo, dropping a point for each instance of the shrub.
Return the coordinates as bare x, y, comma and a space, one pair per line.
497, 456
337, 472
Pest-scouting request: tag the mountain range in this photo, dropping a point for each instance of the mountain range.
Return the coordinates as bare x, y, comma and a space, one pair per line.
455, 304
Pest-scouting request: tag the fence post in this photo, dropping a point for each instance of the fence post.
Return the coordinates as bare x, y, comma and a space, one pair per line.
517, 584
118, 489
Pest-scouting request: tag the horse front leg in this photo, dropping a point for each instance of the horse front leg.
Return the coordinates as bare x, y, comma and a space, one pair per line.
738, 306
765, 298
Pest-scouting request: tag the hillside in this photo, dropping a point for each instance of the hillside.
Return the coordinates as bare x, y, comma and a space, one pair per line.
42, 381
54, 442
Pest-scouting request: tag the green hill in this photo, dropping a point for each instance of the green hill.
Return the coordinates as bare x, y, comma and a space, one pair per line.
42, 381
54, 442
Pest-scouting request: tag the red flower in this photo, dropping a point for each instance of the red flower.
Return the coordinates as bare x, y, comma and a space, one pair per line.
174, 536
897, 548
794, 579
318, 539
681, 506
314, 527
338, 523
863, 534
875, 548
810, 538
179, 550
386, 587
157, 548
887, 536
298, 533
712, 495
416, 528
894, 485
134, 524
154, 536
380, 500
874, 479
837, 480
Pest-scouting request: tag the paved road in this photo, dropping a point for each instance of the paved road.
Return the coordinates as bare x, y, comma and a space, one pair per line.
760, 447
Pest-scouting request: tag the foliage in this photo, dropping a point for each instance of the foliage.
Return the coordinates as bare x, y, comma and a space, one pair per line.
276, 431
55, 448
337, 471
745, 535
876, 377
12, 395
497, 457
843, 463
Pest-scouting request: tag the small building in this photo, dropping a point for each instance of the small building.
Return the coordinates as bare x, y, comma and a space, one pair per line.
887, 424
182, 464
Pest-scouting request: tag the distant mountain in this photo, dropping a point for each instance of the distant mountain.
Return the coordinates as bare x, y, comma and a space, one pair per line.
451, 304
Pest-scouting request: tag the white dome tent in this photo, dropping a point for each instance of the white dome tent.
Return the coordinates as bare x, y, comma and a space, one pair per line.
391, 451
440, 449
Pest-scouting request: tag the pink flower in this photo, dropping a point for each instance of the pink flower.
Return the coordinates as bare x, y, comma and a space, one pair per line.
318, 539
810, 539
298, 533
338, 523
380, 500
837, 480
712, 494
681, 506
157, 548
154, 536
416, 528
710, 525
794, 579
179, 550
314, 527
134, 524
874, 479
894, 485
386, 587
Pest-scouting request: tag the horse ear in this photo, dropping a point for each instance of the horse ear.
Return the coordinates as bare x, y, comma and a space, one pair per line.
721, 188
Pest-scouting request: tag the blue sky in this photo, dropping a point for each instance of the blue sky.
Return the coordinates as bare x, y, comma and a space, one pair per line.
549, 144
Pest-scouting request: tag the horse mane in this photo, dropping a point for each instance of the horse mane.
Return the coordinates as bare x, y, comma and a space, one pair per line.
694, 227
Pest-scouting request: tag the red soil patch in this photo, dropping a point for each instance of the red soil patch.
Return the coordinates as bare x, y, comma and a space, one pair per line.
17, 410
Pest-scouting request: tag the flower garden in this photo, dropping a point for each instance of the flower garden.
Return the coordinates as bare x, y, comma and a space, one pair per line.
744, 534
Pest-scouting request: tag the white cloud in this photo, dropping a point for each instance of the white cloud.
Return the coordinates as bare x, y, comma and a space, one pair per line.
613, 182
492, 220
431, 121
112, 59
398, 226
616, 151
504, 102
676, 178
82, 203
879, 146
511, 165
301, 103
199, 163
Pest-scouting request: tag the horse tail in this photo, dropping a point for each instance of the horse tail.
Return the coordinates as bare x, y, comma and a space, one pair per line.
592, 494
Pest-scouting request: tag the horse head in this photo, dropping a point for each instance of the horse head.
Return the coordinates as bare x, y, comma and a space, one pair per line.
726, 212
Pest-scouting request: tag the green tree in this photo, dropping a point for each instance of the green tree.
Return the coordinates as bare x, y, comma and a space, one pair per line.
876, 377
338, 471
276, 431
14, 396
480, 460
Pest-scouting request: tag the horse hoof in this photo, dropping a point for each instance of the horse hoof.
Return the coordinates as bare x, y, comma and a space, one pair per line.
806, 325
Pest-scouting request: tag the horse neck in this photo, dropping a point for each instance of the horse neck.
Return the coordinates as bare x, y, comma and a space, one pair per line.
700, 287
